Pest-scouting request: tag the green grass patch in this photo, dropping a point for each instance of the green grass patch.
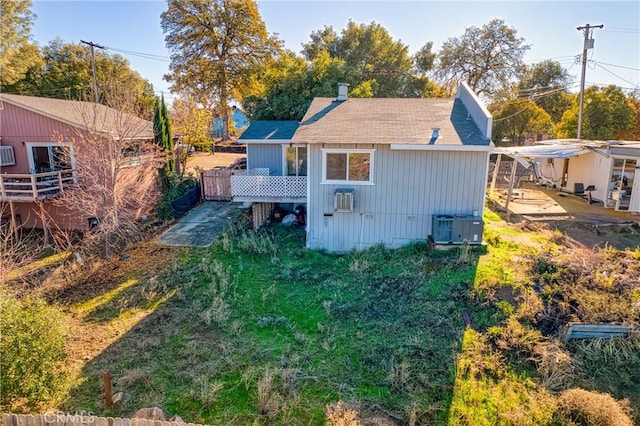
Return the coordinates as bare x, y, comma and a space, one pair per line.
261, 329
46, 262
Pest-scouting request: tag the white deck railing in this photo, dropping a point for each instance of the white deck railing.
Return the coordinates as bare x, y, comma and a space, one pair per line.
257, 183
35, 186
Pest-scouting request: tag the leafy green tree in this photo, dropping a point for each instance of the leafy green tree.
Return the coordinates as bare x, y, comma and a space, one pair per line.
217, 49
365, 56
17, 53
547, 83
518, 120
192, 122
607, 115
370, 55
67, 74
424, 59
32, 355
488, 58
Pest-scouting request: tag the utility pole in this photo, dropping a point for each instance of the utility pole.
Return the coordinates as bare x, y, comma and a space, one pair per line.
93, 65
588, 44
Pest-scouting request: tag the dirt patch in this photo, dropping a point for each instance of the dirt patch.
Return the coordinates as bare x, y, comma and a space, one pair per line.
597, 234
206, 161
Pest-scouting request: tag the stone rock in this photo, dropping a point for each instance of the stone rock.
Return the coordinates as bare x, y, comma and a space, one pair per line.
117, 398
153, 413
176, 419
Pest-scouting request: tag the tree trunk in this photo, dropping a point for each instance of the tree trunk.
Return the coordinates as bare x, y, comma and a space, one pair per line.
225, 112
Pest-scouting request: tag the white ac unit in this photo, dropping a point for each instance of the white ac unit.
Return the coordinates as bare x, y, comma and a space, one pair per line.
343, 200
7, 157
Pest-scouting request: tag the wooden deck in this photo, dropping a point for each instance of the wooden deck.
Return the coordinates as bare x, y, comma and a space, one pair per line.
35, 186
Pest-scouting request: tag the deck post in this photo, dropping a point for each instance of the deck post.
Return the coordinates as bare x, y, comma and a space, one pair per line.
14, 225
34, 187
511, 182
60, 181
495, 174
45, 228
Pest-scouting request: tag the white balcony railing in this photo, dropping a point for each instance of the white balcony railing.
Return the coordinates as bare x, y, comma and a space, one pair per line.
256, 183
35, 186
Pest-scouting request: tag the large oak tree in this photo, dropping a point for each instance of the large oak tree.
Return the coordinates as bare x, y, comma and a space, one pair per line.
217, 48
489, 58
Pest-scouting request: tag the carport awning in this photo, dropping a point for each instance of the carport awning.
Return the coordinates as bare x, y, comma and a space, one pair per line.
542, 151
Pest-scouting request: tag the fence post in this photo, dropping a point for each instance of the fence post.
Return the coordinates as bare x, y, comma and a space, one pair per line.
108, 397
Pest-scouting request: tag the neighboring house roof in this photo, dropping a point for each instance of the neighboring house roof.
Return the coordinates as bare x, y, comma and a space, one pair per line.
269, 131
86, 115
389, 121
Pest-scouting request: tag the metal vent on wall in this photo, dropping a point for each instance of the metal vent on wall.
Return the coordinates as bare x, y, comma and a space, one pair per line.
343, 200
7, 157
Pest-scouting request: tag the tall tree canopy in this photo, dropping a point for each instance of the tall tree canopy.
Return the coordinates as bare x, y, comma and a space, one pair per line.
364, 56
371, 56
66, 74
519, 120
607, 115
488, 58
17, 53
547, 83
217, 48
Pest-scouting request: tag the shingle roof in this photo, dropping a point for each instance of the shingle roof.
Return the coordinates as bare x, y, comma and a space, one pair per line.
86, 115
388, 121
269, 130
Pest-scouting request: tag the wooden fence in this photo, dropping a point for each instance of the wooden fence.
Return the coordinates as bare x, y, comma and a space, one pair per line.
60, 419
216, 184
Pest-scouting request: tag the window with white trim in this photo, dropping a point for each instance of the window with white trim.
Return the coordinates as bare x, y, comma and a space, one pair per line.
295, 161
44, 157
353, 166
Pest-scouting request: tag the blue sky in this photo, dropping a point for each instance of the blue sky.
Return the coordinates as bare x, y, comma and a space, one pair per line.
548, 26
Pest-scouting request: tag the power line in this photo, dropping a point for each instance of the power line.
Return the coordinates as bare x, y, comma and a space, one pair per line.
618, 66
616, 75
141, 54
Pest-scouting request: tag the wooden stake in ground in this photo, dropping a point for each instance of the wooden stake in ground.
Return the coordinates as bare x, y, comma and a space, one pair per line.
108, 397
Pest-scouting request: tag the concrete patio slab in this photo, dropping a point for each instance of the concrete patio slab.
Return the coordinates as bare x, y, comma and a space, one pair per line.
201, 225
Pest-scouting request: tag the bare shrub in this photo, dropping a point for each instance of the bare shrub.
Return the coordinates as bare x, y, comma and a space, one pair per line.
339, 414
583, 408
206, 392
555, 366
269, 400
116, 163
399, 374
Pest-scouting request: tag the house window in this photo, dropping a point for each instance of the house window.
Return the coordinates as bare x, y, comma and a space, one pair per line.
295, 159
131, 155
348, 166
45, 158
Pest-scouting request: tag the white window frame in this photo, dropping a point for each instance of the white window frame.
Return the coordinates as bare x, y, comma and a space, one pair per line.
30, 145
284, 156
348, 151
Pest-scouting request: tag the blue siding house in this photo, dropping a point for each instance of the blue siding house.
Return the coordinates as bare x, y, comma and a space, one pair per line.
373, 171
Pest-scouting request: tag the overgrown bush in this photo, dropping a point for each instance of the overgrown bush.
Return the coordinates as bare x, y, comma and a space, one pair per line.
33, 374
174, 188
583, 408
